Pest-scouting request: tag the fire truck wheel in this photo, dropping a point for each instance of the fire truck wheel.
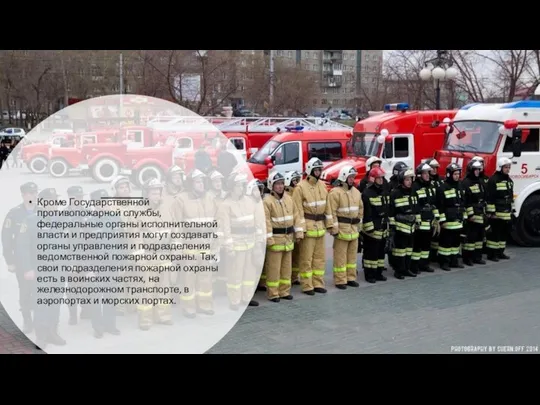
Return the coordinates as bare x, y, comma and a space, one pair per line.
147, 172
527, 231
105, 170
58, 168
38, 165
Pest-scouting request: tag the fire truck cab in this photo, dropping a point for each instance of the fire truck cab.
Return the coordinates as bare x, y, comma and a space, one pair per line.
492, 131
395, 135
291, 150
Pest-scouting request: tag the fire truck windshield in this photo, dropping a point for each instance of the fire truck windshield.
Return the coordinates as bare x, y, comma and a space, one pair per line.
264, 152
363, 144
473, 136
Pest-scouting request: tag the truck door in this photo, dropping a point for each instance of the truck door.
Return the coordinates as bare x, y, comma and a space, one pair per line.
401, 149
526, 168
288, 156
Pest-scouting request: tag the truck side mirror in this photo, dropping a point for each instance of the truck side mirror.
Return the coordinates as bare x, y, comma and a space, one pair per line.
516, 142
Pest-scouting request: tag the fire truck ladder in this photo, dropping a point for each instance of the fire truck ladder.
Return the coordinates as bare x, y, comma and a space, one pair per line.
181, 122
275, 124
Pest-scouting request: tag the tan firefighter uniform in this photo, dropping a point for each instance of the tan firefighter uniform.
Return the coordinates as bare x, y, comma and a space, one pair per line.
255, 193
121, 187
237, 219
196, 207
174, 181
310, 200
219, 195
283, 223
291, 181
347, 209
160, 311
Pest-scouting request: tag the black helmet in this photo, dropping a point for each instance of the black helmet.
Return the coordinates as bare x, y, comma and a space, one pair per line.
398, 167
422, 167
473, 165
451, 169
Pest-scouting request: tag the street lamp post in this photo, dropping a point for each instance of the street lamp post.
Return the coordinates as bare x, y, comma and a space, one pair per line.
439, 68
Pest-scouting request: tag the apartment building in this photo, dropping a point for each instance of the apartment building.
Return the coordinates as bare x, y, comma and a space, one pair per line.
343, 77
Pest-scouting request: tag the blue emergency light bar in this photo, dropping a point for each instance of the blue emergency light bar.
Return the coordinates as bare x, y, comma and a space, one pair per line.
396, 107
294, 129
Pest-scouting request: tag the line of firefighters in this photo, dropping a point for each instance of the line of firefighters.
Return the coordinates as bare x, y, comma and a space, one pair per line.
416, 218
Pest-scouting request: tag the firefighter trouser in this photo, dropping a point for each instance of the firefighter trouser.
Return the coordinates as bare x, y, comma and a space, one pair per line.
421, 250
27, 295
241, 275
474, 243
449, 245
278, 273
434, 248
402, 251
345, 254
497, 236
296, 262
154, 307
312, 263
373, 258
196, 287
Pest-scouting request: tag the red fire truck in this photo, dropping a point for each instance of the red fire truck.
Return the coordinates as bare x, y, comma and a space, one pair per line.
395, 135
492, 131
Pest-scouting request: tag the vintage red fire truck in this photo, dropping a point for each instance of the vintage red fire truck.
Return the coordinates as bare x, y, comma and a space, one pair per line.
36, 155
395, 135
492, 131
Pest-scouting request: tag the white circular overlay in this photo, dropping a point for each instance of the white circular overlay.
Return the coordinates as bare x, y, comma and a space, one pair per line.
133, 227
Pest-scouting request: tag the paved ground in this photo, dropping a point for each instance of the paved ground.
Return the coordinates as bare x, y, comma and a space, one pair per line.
493, 305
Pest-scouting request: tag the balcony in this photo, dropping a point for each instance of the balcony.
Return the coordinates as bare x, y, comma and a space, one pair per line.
332, 81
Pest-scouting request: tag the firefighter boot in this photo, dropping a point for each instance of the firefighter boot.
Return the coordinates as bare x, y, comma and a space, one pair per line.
73, 315
353, 283
369, 276
454, 262
379, 276
320, 290
28, 325
444, 265
503, 256
467, 258
415, 269
55, 339
478, 257
253, 303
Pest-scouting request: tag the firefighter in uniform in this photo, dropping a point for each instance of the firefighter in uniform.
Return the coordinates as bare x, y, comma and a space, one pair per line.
375, 200
310, 200
238, 220
174, 181
483, 176
10, 231
398, 167
500, 206
475, 208
219, 195
371, 163
393, 184
483, 179
426, 195
283, 225
437, 182
452, 209
291, 181
161, 313
403, 223
255, 193
46, 316
196, 205
347, 209
77, 193
121, 188
103, 314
